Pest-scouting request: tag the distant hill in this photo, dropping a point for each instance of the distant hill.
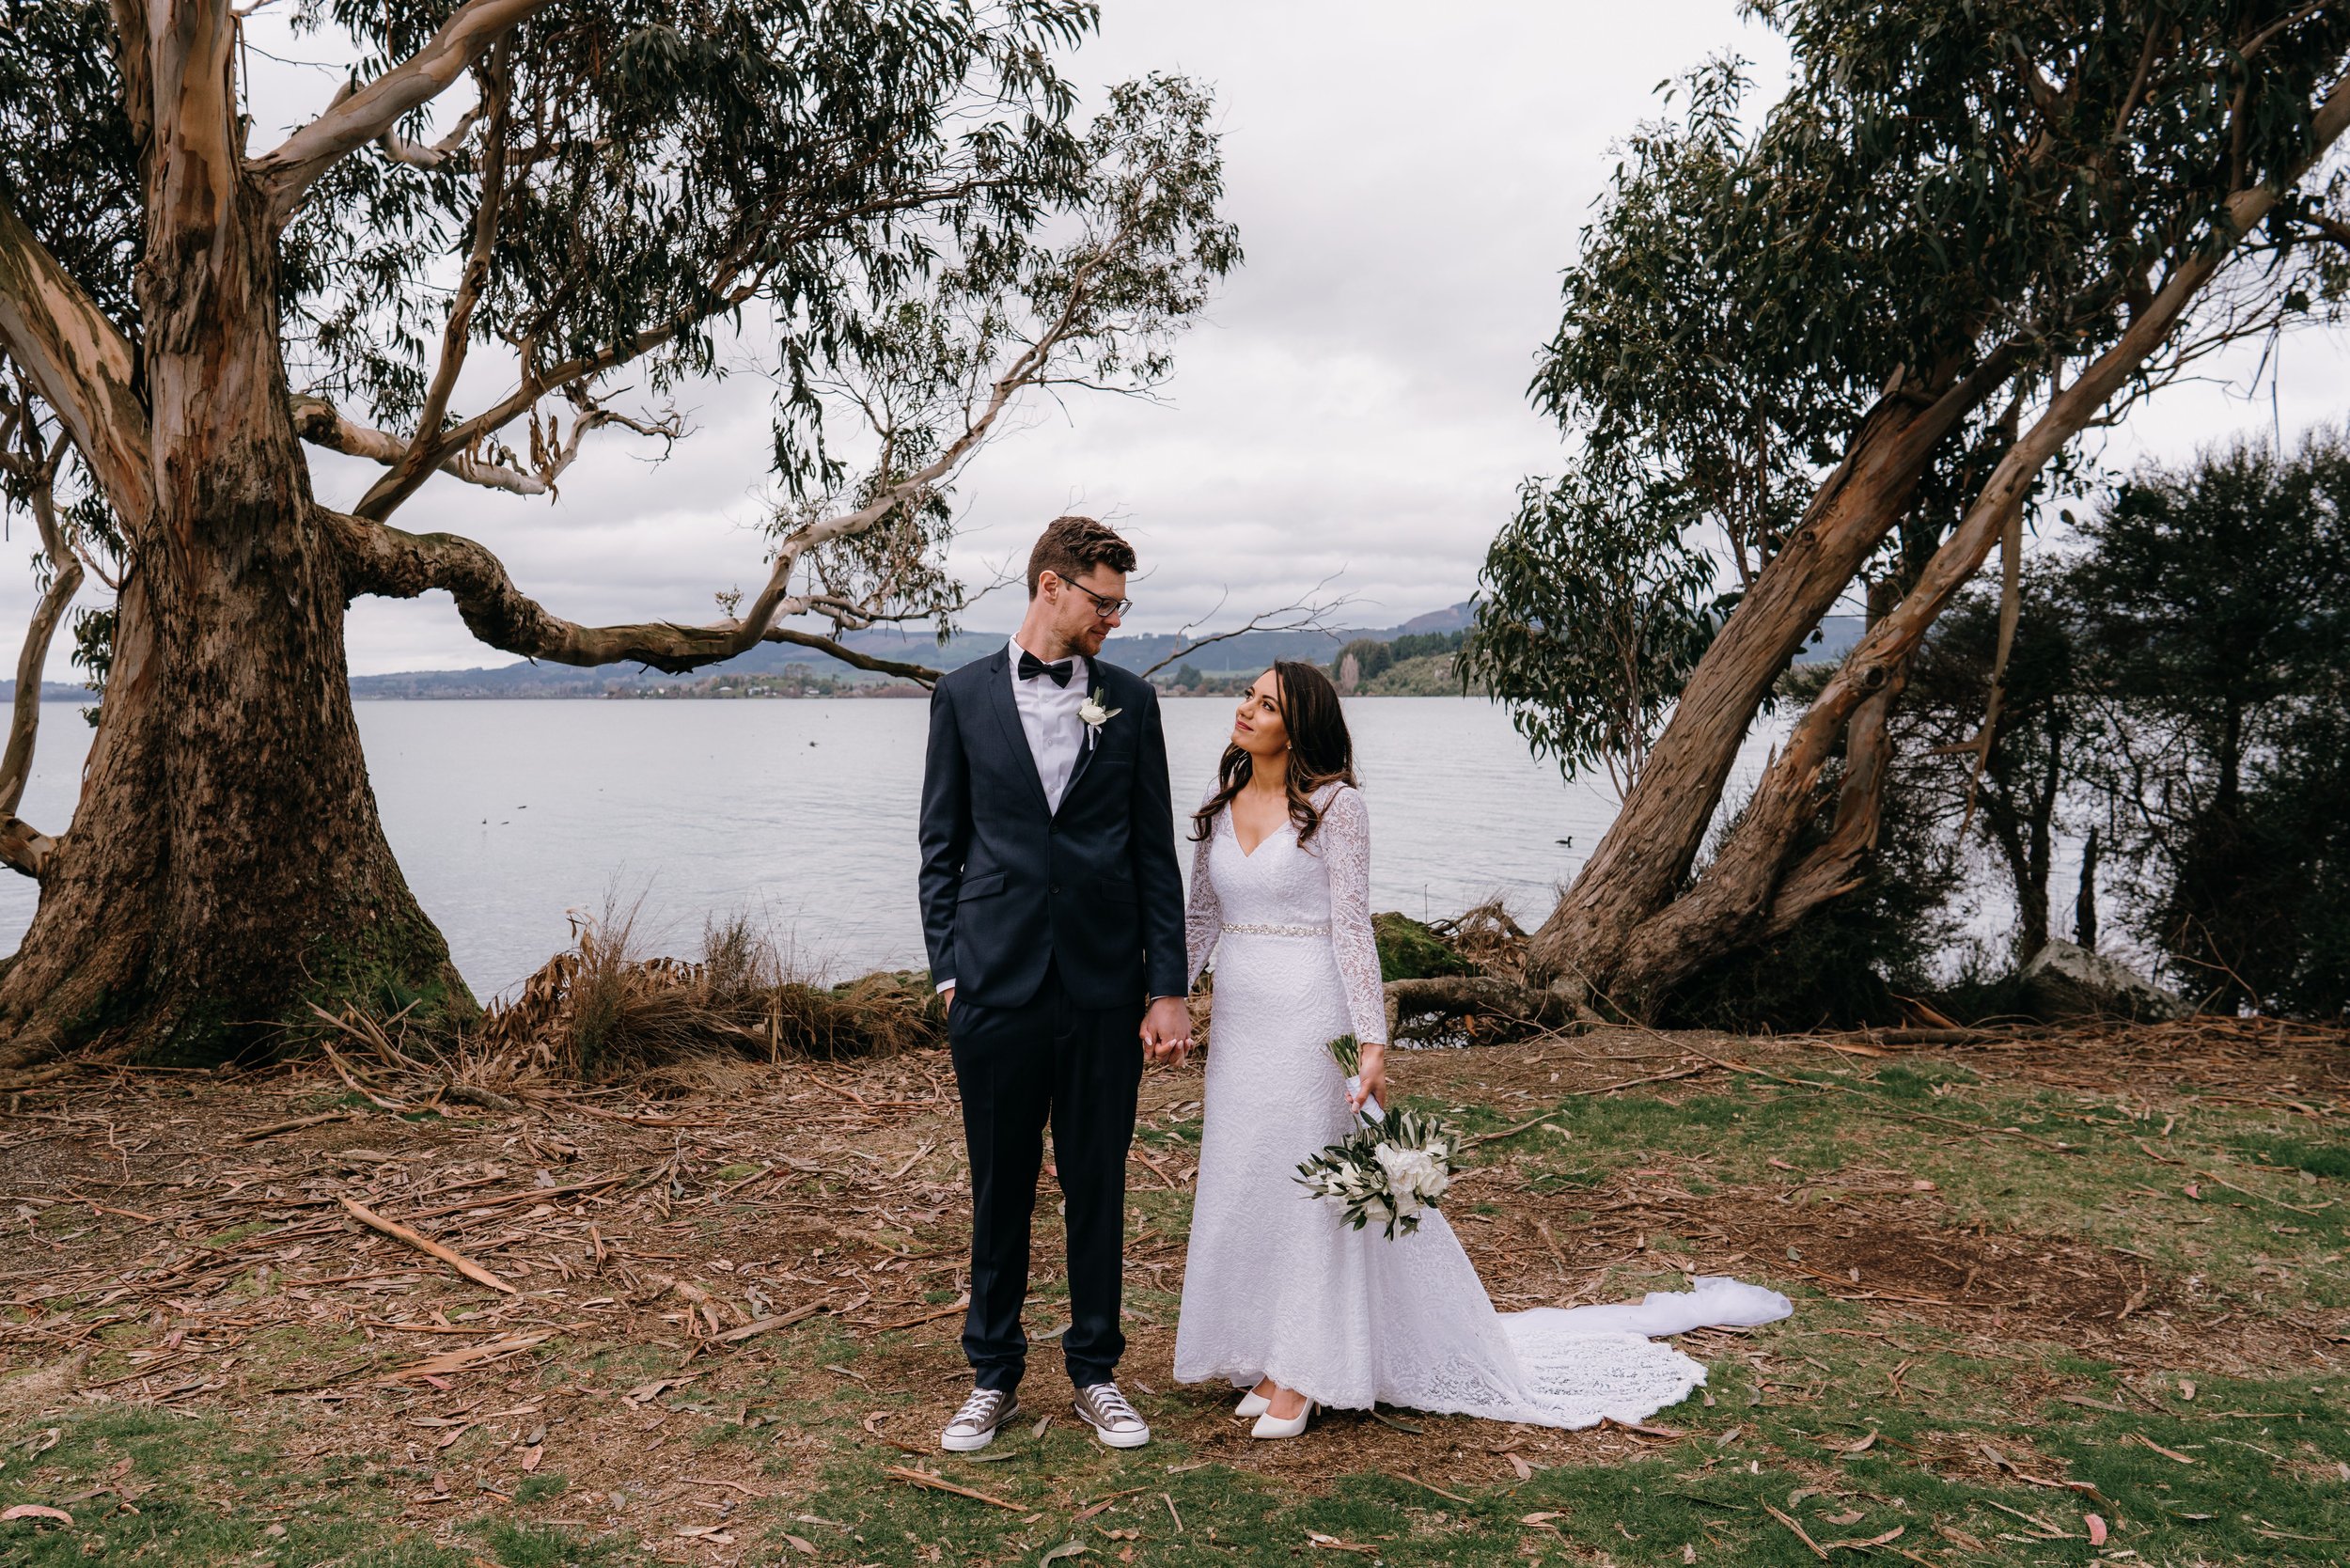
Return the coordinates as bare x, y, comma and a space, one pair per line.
1132, 651
1237, 656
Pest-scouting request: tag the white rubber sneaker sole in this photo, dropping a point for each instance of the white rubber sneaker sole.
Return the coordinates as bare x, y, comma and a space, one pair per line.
958, 1442
1128, 1437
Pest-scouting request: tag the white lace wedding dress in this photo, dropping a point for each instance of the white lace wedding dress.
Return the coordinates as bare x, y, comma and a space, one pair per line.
1276, 1285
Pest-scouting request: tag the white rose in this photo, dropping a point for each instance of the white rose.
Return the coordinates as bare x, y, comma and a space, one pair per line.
1413, 1177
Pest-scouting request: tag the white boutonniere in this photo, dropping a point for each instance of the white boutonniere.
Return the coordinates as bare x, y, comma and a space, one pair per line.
1095, 715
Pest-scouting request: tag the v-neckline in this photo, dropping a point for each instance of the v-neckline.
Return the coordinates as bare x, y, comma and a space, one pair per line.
1246, 853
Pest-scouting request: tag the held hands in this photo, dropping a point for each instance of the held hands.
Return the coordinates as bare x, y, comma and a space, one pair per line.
1371, 1080
1166, 1031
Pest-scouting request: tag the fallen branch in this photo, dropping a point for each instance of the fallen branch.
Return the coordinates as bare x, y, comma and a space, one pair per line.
455, 1260
781, 1320
470, 1356
958, 1303
1810, 1544
255, 1135
940, 1483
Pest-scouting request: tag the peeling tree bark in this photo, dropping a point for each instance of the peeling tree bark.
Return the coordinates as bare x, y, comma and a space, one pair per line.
226, 859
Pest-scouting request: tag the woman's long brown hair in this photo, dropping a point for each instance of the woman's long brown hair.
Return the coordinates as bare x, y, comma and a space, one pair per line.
1320, 751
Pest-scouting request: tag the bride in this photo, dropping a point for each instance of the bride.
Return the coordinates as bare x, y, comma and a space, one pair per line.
1281, 1297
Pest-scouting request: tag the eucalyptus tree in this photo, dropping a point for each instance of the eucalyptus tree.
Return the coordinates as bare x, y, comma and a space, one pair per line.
1860, 336
1594, 606
590, 203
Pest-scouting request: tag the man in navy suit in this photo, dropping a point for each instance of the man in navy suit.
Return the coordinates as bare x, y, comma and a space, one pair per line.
1053, 908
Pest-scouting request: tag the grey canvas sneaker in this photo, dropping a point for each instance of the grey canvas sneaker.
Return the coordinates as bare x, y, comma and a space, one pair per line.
1113, 1419
975, 1424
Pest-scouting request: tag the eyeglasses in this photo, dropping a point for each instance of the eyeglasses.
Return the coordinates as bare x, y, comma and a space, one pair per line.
1107, 609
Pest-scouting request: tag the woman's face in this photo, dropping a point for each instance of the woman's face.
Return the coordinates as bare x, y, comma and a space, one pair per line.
1258, 728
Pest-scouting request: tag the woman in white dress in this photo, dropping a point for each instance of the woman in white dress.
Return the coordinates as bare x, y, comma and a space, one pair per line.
1281, 1297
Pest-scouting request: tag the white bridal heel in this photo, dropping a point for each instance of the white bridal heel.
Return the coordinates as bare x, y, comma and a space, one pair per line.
1251, 1404
1269, 1425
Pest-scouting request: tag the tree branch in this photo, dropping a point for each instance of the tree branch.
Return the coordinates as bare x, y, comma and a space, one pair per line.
417, 464
380, 559
537, 384
319, 423
351, 122
23, 847
79, 363
848, 655
1309, 614
428, 155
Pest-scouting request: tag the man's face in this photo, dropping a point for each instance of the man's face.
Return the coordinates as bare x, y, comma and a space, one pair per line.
1083, 613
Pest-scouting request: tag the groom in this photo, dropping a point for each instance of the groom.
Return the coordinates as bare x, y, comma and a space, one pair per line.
1054, 913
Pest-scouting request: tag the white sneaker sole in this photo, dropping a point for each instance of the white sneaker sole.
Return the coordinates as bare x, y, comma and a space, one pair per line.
957, 1443
1129, 1439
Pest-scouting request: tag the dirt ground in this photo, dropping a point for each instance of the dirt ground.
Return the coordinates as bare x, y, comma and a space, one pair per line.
736, 1300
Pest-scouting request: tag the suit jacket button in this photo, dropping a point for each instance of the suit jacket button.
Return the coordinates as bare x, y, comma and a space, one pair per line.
1056, 888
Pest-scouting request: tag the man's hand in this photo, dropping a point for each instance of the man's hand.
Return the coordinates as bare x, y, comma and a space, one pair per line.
1166, 1030
946, 999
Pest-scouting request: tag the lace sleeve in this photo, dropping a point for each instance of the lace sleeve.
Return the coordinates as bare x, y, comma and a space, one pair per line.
1344, 839
1203, 917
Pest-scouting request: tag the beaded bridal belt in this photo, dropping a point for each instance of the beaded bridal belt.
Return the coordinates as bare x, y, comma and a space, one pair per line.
1246, 928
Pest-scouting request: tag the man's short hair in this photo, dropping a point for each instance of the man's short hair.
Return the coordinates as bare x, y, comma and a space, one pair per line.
1071, 546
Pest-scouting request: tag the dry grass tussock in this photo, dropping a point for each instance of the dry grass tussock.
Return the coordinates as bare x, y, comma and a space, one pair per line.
605, 1009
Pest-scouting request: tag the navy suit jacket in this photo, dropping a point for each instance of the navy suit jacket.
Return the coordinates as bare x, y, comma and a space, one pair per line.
1009, 886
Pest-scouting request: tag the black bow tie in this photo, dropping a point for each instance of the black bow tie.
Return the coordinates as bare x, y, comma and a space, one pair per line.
1031, 667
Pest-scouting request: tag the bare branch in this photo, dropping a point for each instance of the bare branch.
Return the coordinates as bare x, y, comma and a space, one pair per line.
1309, 613
352, 121
319, 423
417, 463
382, 559
428, 155
537, 384
848, 655
79, 363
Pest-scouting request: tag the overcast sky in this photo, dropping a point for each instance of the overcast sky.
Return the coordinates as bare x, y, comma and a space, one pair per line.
1408, 181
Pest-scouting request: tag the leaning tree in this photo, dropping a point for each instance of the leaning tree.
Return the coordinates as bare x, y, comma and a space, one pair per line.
894, 203
1856, 339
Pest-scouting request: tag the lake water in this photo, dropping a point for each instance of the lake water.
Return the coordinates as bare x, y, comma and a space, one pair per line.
506, 815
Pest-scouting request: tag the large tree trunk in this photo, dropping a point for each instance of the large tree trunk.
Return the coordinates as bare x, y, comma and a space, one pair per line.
1645, 856
225, 865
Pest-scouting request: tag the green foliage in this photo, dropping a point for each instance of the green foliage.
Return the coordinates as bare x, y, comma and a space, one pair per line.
1593, 607
1371, 658
68, 160
1410, 950
2213, 606
1949, 195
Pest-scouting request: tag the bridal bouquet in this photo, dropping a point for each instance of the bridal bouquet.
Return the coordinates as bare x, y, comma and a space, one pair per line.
1391, 1169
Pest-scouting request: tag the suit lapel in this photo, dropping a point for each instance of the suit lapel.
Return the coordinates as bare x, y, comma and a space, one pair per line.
1007, 714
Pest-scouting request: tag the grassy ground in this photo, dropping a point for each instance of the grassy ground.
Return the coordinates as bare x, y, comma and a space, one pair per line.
2070, 1300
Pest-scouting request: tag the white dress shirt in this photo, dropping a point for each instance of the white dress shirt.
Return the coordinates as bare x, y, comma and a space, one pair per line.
1048, 716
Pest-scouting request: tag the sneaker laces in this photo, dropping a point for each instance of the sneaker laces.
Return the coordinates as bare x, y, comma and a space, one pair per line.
1111, 1405
977, 1408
